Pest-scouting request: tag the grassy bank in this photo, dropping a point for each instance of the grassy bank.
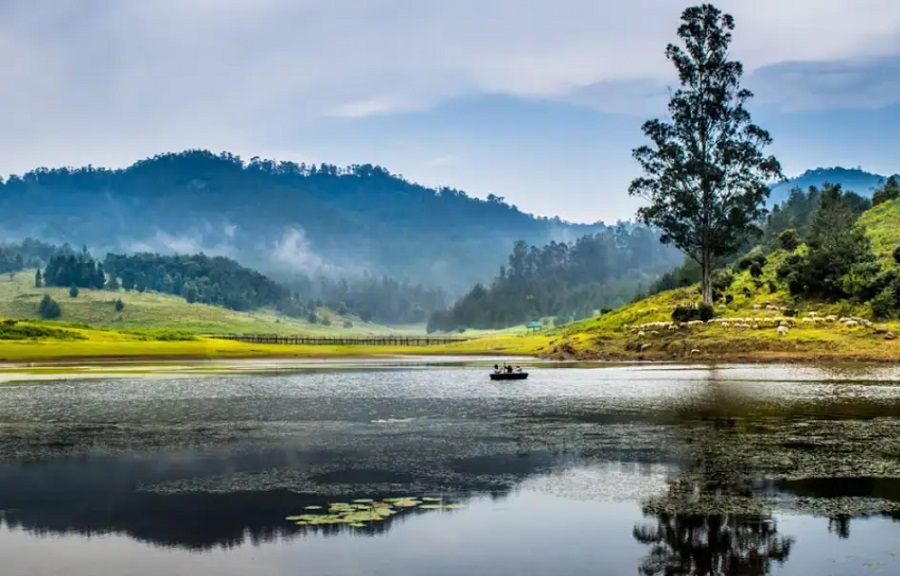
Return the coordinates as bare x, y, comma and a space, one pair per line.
149, 311
38, 341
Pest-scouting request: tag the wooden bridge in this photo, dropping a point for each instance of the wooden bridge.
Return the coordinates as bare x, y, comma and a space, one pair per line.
341, 340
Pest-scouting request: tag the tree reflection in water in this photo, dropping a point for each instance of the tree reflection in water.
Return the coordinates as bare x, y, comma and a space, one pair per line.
711, 545
711, 521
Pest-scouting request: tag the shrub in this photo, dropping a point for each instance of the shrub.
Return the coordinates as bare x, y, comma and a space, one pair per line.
721, 281
897, 255
773, 288
790, 311
689, 313
312, 319
884, 304
789, 240
49, 308
73, 292
326, 322
120, 305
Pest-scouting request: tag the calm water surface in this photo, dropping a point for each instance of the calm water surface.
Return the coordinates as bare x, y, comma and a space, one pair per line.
738, 470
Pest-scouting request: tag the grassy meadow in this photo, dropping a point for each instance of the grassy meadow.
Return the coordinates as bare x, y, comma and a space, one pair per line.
150, 311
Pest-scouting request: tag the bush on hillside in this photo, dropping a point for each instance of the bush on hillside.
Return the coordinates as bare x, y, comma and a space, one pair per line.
49, 308
120, 305
789, 240
721, 281
73, 292
897, 255
702, 312
884, 305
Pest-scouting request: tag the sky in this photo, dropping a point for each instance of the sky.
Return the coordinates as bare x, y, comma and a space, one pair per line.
536, 101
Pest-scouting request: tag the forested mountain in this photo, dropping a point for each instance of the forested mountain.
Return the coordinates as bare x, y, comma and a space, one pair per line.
277, 217
565, 280
850, 179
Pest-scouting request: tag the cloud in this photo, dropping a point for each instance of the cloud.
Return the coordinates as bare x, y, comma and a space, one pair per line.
106, 83
164, 243
792, 86
294, 252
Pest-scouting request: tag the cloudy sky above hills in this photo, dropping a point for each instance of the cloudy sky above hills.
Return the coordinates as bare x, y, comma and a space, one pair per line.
537, 101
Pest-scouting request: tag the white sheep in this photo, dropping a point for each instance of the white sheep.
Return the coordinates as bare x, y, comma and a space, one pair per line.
782, 330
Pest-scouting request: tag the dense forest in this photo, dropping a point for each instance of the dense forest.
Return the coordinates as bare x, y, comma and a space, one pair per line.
197, 278
565, 280
277, 217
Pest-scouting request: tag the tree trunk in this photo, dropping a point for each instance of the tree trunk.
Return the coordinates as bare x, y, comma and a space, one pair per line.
705, 281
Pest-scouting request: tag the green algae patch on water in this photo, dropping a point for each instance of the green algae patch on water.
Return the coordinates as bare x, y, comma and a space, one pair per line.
365, 511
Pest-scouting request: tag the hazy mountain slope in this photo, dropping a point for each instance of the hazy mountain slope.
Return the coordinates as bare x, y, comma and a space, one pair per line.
852, 179
277, 217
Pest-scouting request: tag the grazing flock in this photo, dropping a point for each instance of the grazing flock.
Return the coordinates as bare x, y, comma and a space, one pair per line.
774, 320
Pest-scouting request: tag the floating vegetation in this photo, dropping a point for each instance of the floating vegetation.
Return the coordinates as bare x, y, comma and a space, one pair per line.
365, 511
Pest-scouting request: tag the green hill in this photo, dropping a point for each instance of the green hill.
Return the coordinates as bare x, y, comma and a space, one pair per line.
882, 224
280, 218
19, 299
780, 305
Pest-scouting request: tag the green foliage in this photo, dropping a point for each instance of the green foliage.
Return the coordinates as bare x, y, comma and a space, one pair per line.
73, 292
890, 191
705, 175
839, 261
789, 240
348, 324
721, 281
49, 308
74, 270
885, 303
13, 330
896, 255
199, 278
567, 280
312, 318
38, 279
119, 305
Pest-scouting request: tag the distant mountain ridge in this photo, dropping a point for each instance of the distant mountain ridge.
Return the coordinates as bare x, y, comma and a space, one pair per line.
282, 218
853, 179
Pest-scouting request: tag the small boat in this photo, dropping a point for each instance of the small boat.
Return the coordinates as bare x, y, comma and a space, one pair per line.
509, 375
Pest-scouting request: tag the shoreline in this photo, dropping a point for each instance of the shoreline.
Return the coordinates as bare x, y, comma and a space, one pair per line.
762, 357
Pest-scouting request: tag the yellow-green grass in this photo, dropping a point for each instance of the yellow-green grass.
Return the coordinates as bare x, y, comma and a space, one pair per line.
882, 224
19, 299
611, 336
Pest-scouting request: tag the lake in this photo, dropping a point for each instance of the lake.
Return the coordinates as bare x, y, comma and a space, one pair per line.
419, 467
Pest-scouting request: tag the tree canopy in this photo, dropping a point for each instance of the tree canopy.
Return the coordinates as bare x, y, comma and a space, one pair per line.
705, 174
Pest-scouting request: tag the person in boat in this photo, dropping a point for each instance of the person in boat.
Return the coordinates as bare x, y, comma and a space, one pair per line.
519, 369
496, 369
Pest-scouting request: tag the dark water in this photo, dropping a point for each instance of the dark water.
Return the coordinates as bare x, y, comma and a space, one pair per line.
617, 470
